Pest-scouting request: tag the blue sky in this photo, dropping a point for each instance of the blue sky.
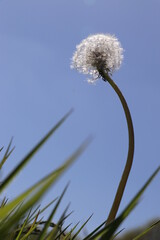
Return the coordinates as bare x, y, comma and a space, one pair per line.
37, 87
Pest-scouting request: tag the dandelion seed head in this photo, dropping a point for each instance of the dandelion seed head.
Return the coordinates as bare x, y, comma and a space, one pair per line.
97, 52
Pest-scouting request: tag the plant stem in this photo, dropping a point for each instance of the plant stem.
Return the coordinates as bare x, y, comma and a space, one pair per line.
126, 171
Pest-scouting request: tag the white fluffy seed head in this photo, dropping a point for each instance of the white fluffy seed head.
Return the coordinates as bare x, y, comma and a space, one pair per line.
98, 52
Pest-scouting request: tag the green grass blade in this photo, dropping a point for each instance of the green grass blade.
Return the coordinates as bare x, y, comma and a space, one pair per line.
94, 231
76, 234
42, 210
33, 194
109, 231
53, 234
4, 201
33, 213
31, 153
23, 226
47, 224
7, 154
68, 235
10, 213
146, 230
62, 233
31, 229
1, 149
48, 205
67, 216
115, 235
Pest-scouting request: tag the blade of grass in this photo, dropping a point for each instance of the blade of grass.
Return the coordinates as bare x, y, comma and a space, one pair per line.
76, 234
7, 153
33, 213
62, 234
48, 205
52, 235
41, 211
69, 233
67, 216
109, 231
10, 213
47, 224
94, 231
4, 201
37, 190
146, 230
31, 153
22, 228
118, 233
32, 228
1, 149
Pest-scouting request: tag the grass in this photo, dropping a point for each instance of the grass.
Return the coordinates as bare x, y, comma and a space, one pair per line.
21, 218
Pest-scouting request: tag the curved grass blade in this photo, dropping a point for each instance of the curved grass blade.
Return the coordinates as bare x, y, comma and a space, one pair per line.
10, 213
51, 177
32, 153
33, 194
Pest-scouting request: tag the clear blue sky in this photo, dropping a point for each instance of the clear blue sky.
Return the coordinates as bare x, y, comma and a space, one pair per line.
37, 87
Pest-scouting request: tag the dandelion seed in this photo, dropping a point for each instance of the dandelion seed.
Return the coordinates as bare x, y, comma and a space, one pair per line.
98, 52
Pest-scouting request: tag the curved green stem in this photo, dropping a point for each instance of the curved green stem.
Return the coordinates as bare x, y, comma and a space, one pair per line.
126, 171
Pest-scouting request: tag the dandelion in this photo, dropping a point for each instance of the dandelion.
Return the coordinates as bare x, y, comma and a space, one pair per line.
98, 52
100, 55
